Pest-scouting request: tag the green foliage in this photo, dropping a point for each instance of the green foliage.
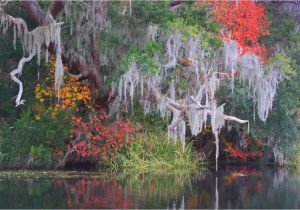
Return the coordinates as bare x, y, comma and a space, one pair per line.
281, 122
9, 52
147, 64
40, 156
28, 138
44, 4
150, 122
142, 12
295, 155
282, 33
189, 19
9, 89
152, 46
151, 12
209, 39
9, 58
2, 156
152, 151
284, 63
108, 41
197, 21
198, 16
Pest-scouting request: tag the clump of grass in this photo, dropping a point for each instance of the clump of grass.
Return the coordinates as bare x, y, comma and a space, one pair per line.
152, 151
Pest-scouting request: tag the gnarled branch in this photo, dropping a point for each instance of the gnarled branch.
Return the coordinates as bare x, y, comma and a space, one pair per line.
18, 71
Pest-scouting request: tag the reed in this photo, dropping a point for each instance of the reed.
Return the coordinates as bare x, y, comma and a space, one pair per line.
153, 151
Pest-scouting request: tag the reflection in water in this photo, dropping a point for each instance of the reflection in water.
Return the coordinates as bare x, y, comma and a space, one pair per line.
279, 176
237, 173
217, 195
231, 187
87, 193
121, 191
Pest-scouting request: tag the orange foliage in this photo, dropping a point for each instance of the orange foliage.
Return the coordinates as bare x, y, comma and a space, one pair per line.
185, 61
74, 95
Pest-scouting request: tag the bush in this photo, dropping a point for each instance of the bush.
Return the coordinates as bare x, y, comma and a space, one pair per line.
28, 140
94, 137
40, 156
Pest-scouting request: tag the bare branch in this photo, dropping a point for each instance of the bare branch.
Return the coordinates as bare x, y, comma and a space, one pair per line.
22, 26
176, 123
4, 2
18, 71
225, 117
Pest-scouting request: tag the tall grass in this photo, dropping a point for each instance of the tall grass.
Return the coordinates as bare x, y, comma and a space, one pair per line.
152, 151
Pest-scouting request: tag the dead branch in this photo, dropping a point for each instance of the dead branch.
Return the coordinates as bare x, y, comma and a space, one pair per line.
18, 71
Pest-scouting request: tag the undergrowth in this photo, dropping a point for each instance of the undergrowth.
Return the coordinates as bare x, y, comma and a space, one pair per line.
153, 151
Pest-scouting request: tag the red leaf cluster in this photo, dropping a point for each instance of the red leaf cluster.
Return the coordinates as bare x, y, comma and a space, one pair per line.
253, 152
244, 21
95, 137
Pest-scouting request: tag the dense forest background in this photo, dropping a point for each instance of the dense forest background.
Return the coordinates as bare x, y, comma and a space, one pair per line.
76, 122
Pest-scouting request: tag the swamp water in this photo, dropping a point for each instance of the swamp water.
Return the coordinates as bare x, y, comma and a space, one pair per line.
232, 187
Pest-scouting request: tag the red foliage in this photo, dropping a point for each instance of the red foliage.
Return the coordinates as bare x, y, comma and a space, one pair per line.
243, 21
235, 174
95, 137
252, 141
85, 194
254, 147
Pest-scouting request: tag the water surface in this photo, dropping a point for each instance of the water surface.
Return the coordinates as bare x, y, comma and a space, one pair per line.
232, 187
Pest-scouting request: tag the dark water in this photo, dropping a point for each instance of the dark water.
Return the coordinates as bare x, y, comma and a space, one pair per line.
232, 187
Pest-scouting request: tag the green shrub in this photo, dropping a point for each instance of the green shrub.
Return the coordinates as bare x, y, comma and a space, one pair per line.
40, 156
29, 141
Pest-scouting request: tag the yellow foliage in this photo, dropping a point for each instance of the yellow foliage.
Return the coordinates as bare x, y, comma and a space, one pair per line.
37, 117
74, 95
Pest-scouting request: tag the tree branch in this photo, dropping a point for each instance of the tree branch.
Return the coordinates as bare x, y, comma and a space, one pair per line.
34, 10
74, 60
18, 71
56, 7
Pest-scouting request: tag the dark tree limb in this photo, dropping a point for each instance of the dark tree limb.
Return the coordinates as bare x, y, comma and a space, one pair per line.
74, 60
34, 10
175, 3
56, 7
